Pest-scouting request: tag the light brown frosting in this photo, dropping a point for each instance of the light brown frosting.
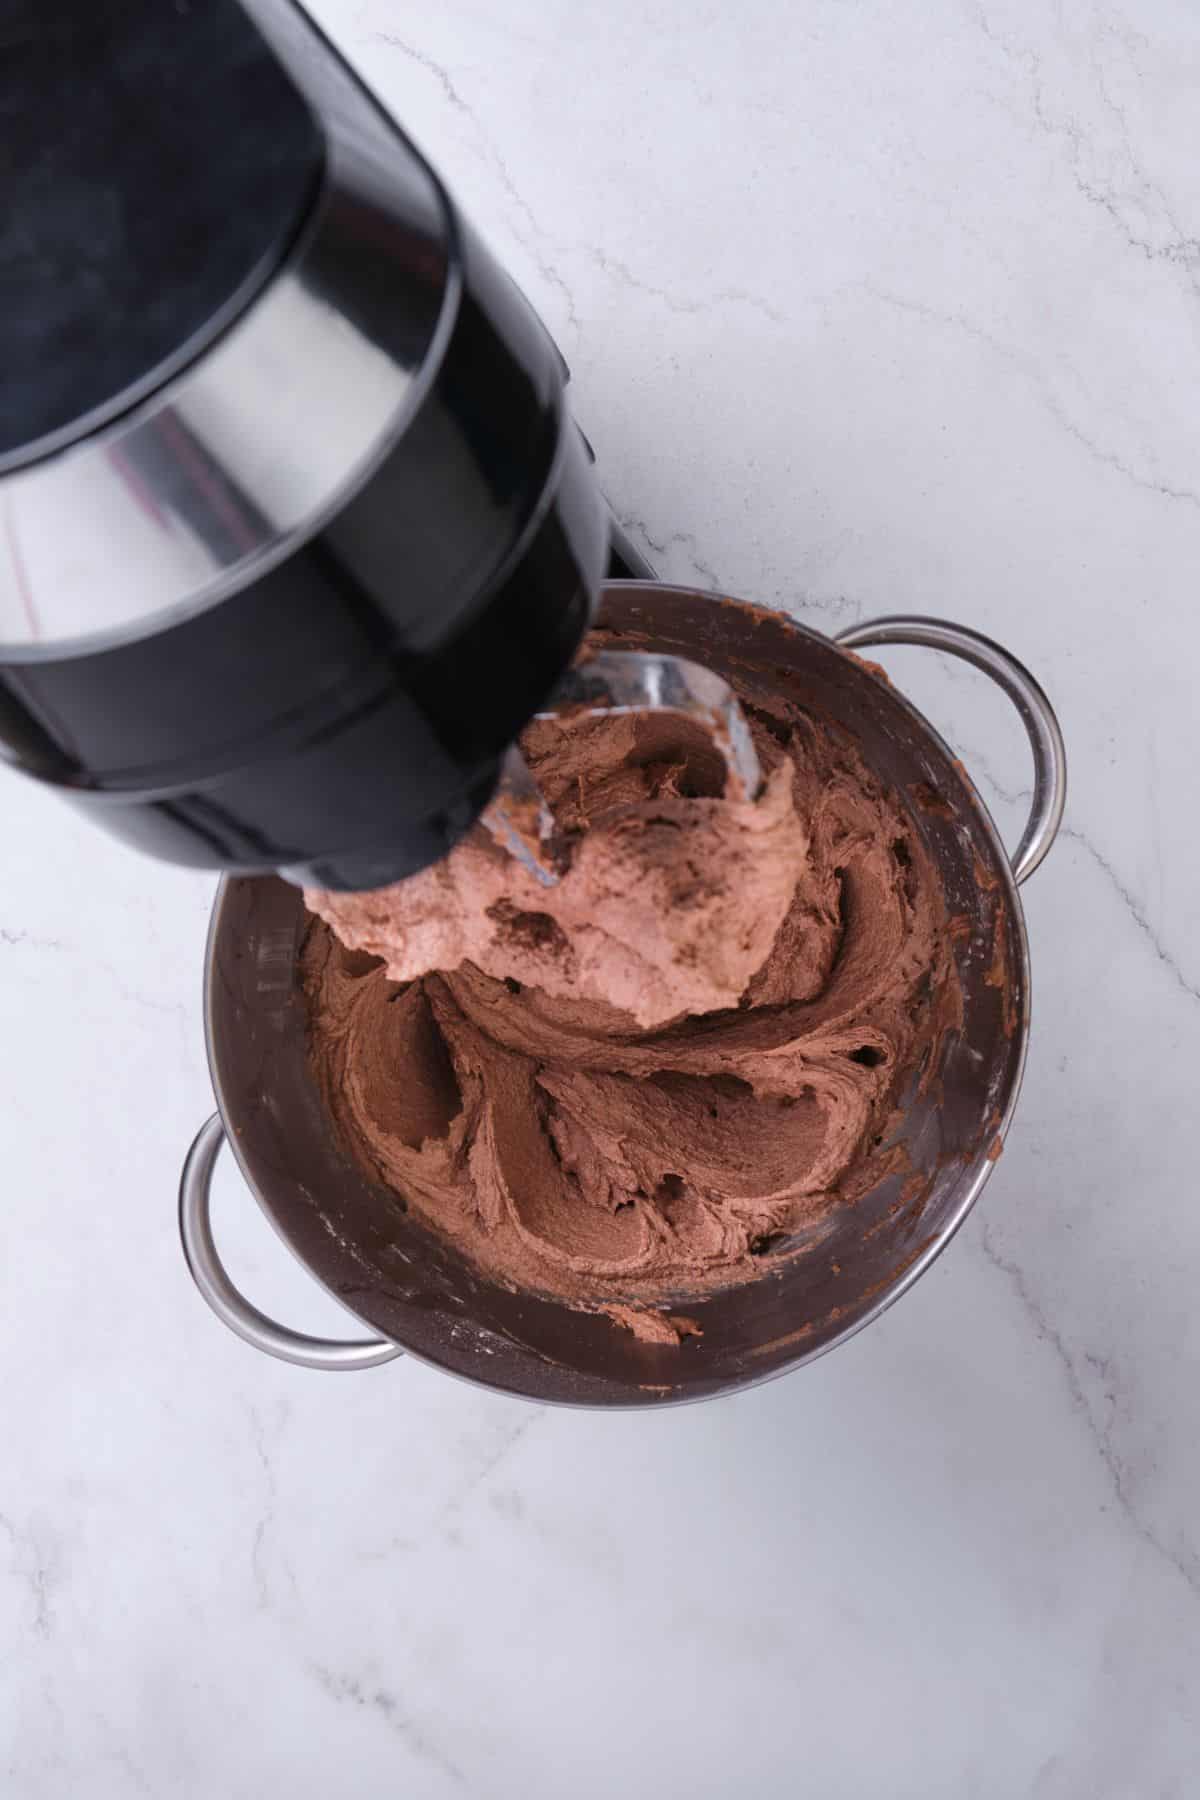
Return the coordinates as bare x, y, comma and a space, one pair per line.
648, 1079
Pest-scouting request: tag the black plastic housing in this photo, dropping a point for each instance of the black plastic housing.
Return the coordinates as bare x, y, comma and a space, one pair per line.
341, 716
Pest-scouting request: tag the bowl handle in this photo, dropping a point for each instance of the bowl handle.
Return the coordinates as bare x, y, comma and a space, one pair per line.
232, 1307
1037, 716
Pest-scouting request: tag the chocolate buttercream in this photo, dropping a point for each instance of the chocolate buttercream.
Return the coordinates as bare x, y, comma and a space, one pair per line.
653, 1077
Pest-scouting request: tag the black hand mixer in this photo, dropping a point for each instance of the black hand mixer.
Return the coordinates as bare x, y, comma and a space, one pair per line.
296, 530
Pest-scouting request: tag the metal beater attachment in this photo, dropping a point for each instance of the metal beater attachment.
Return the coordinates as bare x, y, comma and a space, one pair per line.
620, 681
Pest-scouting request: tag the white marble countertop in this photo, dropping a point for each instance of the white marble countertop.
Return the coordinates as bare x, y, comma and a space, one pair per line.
870, 307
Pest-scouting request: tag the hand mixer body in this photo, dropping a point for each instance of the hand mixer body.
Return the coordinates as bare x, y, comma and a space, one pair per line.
296, 531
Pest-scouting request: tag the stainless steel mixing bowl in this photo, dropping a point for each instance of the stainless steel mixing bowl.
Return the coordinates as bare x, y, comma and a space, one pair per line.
420, 1296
